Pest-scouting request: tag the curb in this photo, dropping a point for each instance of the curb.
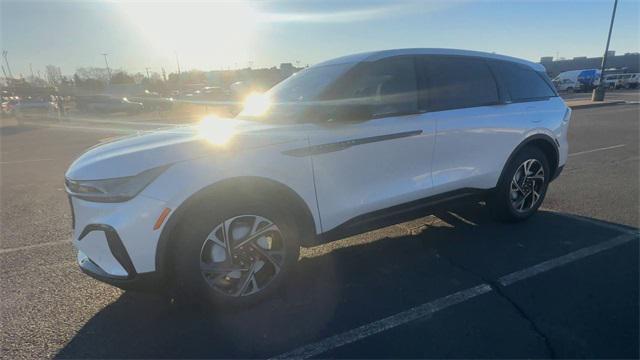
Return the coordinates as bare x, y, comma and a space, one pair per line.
595, 104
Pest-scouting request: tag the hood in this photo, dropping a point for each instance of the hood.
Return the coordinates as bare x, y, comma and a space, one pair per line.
130, 155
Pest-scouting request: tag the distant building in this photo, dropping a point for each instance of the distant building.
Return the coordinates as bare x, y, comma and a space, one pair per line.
629, 62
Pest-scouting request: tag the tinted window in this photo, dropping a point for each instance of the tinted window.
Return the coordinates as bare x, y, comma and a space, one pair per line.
389, 86
522, 82
457, 82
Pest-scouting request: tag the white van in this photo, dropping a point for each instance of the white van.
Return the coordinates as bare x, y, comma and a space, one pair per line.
577, 80
566, 81
567, 85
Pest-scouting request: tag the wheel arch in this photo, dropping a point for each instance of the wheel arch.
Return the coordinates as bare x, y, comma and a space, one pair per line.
243, 187
543, 142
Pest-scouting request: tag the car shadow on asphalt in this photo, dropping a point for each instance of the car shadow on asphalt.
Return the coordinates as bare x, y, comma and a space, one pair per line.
339, 286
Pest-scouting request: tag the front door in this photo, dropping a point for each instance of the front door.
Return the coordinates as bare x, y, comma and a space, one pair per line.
364, 166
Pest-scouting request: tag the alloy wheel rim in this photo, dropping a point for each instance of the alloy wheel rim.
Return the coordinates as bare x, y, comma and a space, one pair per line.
526, 185
242, 255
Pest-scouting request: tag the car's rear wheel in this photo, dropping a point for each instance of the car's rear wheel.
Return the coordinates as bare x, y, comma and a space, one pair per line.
522, 187
236, 256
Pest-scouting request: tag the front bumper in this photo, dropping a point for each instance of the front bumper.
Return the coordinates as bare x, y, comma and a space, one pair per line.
117, 242
148, 282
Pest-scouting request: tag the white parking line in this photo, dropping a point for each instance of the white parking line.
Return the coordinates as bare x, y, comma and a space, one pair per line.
600, 223
22, 161
598, 149
27, 247
385, 324
434, 306
565, 259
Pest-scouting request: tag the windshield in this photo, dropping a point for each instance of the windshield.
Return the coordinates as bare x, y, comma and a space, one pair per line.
291, 96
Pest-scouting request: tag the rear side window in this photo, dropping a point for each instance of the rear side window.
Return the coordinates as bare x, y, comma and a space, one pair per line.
457, 82
522, 83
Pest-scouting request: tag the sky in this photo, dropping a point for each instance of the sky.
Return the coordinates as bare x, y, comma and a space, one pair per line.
212, 35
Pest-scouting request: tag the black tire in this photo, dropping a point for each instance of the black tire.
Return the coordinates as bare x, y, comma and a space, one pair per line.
500, 202
201, 220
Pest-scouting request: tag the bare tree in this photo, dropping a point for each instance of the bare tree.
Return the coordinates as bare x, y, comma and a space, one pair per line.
121, 77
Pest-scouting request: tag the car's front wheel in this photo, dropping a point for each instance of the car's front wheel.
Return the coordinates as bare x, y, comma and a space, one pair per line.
522, 187
235, 256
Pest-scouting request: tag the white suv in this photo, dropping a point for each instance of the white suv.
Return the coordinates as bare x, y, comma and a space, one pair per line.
218, 211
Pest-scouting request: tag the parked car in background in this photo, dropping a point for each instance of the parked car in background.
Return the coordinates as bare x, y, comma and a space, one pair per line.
152, 101
84, 102
209, 93
36, 106
613, 81
630, 81
104, 104
8, 106
217, 212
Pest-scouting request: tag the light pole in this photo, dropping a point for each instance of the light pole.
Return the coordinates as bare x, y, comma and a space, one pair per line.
598, 93
178, 63
179, 76
4, 55
107, 64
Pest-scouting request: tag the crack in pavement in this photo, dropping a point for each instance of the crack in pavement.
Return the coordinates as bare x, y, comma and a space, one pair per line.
499, 291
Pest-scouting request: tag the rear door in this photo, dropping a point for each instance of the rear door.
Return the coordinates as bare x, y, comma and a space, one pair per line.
474, 129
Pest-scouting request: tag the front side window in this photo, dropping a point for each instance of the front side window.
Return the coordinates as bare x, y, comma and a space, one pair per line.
288, 101
387, 87
458, 82
307, 84
522, 82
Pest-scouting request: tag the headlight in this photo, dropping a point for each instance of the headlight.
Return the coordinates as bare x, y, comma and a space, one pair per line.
113, 190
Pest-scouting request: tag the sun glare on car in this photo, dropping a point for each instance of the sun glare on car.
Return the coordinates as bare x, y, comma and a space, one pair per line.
217, 131
256, 104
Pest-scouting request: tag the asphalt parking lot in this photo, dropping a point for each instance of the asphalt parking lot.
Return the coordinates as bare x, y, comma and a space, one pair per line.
453, 284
